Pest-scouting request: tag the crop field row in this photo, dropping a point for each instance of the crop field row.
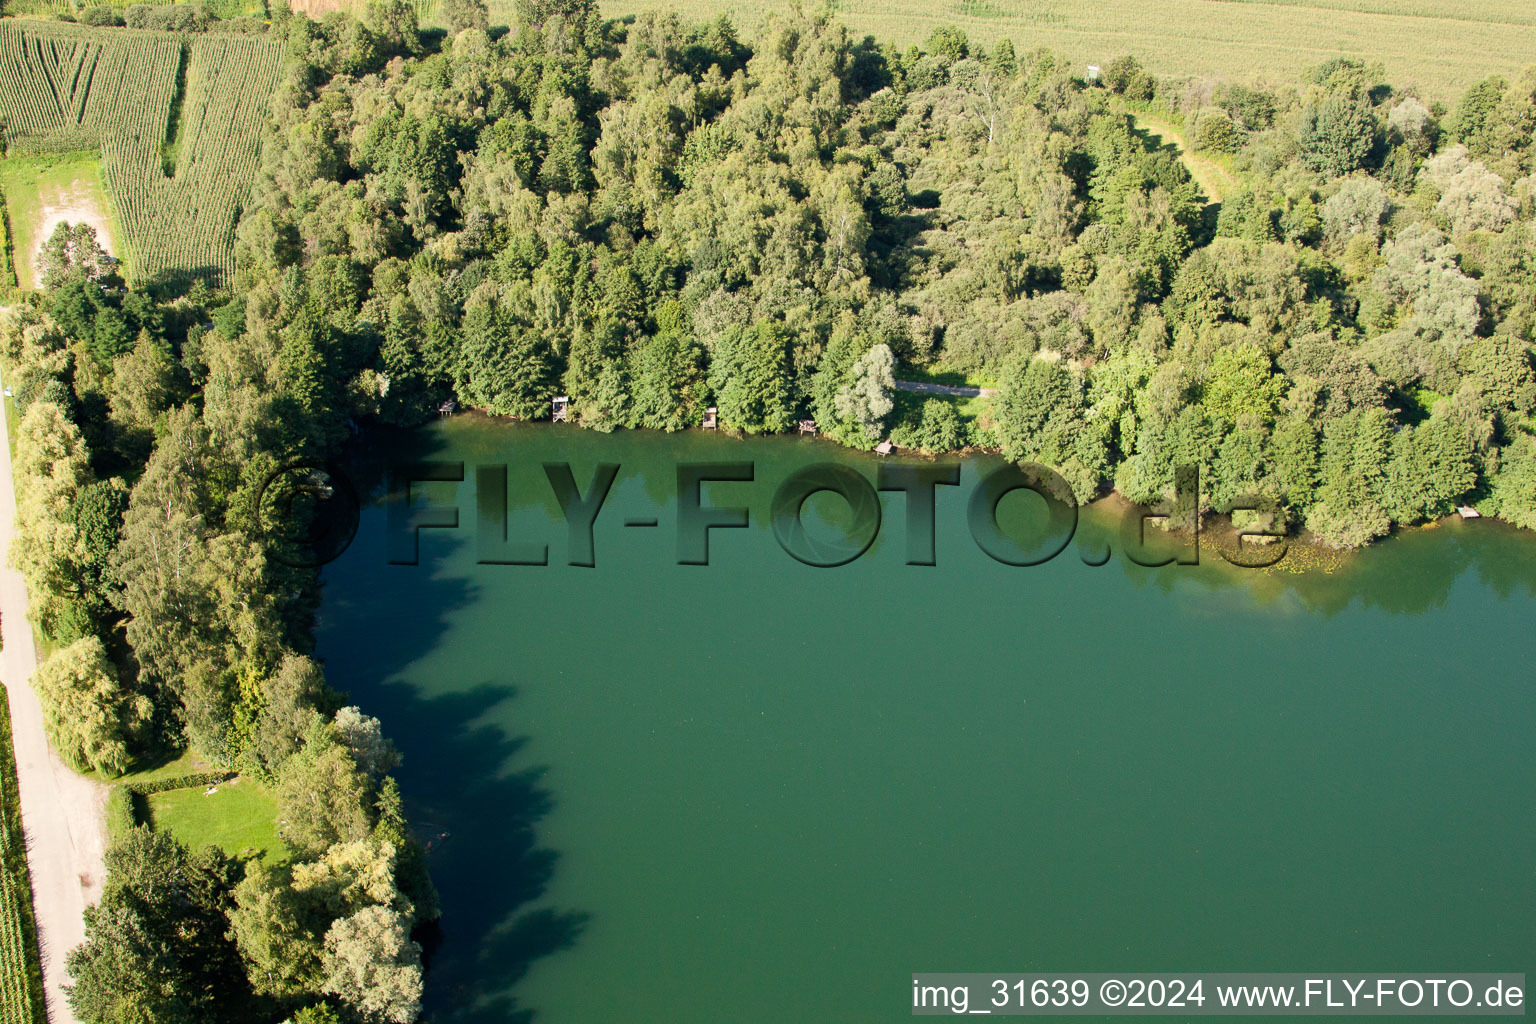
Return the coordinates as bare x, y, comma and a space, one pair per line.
221, 8
72, 80
189, 219
65, 87
1440, 46
21, 986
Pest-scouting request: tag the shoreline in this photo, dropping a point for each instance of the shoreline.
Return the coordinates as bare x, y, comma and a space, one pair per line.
1215, 526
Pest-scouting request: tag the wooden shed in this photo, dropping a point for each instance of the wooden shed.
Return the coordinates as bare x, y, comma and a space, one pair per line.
807, 427
561, 410
1468, 512
884, 447
712, 418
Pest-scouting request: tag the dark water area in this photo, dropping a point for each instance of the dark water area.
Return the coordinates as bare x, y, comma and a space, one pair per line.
759, 790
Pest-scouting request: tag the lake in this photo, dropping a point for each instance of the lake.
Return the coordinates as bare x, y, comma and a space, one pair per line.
759, 790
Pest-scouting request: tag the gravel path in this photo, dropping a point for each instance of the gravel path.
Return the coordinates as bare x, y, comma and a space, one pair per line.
61, 810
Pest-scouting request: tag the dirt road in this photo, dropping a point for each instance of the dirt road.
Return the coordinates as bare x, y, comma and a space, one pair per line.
61, 811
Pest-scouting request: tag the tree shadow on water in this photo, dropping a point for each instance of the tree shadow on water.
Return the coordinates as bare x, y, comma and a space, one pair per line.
479, 820
467, 792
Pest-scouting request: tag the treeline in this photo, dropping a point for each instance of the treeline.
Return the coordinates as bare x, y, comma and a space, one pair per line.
653, 217
165, 17
172, 620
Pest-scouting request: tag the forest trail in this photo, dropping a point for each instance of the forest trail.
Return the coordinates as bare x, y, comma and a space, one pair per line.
954, 390
1215, 180
61, 810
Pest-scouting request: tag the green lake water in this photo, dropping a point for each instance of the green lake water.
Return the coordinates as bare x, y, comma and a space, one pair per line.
762, 791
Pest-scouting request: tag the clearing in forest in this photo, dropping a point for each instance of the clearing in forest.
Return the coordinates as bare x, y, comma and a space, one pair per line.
238, 816
45, 190
1214, 180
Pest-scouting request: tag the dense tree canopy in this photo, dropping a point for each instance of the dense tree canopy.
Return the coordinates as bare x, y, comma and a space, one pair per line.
651, 217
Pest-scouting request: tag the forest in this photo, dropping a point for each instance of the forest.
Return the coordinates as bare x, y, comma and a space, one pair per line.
654, 218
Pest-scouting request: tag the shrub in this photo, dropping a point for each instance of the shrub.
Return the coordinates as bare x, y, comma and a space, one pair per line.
1126, 77
195, 779
1215, 132
99, 16
120, 811
1338, 133
937, 428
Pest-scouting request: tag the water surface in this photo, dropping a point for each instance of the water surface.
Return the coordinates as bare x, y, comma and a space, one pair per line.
762, 791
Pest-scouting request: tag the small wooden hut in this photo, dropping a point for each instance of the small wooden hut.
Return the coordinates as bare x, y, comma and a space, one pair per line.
446, 409
807, 427
561, 410
712, 418
884, 447
1468, 512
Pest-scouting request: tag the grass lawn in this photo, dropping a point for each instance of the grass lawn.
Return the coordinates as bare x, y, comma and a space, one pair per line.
939, 373
240, 819
154, 770
909, 404
43, 189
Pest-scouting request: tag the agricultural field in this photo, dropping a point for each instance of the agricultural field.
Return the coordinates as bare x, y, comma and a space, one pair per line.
66, 87
1441, 46
426, 10
21, 978
220, 8
239, 817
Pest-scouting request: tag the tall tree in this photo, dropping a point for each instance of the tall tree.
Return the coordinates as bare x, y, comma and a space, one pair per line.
156, 947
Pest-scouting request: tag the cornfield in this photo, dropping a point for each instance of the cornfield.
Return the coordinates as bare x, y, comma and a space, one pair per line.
1441, 46
21, 979
65, 87
222, 8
